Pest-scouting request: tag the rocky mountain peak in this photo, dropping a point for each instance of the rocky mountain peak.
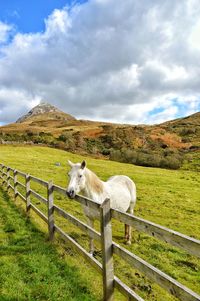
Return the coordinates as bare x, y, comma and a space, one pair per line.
42, 108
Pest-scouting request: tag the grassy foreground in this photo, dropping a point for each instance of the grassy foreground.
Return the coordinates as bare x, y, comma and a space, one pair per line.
30, 266
170, 198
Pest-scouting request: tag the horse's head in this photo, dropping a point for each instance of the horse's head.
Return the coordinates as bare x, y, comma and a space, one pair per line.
77, 178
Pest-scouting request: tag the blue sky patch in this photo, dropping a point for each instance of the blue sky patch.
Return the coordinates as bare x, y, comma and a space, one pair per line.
28, 16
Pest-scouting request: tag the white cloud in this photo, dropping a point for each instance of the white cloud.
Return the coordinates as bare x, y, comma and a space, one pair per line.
194, 38
5, 30
107, 59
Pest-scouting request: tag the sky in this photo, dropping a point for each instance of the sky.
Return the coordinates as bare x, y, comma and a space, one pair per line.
120, 61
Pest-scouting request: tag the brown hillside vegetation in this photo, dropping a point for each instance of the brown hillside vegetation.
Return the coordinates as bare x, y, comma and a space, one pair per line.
167, 145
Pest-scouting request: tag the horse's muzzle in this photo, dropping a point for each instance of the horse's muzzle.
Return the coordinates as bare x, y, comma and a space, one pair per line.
71, 194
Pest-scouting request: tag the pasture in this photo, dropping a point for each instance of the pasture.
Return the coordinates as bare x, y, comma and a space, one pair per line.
31, 268
170, 198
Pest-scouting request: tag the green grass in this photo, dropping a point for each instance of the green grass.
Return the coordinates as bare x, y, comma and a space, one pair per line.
170, 198
30, 266
192, 161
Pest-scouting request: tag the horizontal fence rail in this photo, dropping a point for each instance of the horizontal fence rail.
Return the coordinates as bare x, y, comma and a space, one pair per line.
172, 286
90, 231
80, 199
40, 213
38, 196
21, 196
126, 291
95, 263
39, 181
21, 173
189, 244
20, 184
9, 177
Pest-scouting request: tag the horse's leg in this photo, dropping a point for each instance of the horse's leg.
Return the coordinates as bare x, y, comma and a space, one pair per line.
129, 228
91, 242
126, 231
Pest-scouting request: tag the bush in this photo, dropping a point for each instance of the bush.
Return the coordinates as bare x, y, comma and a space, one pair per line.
149, 160
187, 131
168, 159
171, 162
106, 152
116, 155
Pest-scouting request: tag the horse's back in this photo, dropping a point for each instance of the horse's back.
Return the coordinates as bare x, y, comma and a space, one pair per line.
123, 181
122, 192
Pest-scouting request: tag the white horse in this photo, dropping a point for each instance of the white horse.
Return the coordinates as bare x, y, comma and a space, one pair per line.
121, 191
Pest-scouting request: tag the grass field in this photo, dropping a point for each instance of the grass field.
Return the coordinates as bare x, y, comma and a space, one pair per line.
30, 267
170, 198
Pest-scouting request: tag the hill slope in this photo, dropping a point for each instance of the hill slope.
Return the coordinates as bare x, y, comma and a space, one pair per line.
167, 197
165, 145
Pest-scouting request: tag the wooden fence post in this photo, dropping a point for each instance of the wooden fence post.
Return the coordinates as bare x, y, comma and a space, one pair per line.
50, 210
15, 184
107, 251
8, 177
28, 198
1, 167
3, 175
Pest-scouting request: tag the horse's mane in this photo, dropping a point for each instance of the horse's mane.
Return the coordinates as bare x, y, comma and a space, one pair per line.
93, 181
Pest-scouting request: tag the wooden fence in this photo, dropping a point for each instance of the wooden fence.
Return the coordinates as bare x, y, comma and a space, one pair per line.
110, 281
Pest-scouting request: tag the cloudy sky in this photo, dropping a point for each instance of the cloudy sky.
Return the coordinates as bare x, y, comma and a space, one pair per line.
123, 61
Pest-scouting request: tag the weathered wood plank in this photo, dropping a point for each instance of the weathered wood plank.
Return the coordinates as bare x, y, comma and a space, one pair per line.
38, 196
4, 167
50, 210
60, 190
126, 291
97, 265
82, 200
12, 169
88, 203
40, 213
107, 251
21, 196
15, 183
10, 186
21, 173
39, 181
168, 283
8, 178
189, 244
90, 231
21, 184
28, 193
1, 169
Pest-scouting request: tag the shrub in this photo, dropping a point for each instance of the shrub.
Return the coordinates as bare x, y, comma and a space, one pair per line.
145, 159
106, 152
171, 162
168, 159
115, 155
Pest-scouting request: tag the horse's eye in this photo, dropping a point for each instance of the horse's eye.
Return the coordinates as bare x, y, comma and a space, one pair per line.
80, 176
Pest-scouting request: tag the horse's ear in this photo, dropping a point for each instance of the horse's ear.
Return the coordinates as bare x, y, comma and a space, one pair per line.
70, 163
83, 164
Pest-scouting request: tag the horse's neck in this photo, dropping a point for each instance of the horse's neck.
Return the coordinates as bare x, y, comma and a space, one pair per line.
94, 188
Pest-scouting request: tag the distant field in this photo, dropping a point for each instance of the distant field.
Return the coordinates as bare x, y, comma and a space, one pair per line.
170, 198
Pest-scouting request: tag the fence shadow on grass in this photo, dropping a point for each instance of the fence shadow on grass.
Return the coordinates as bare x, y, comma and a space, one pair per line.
31, 268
